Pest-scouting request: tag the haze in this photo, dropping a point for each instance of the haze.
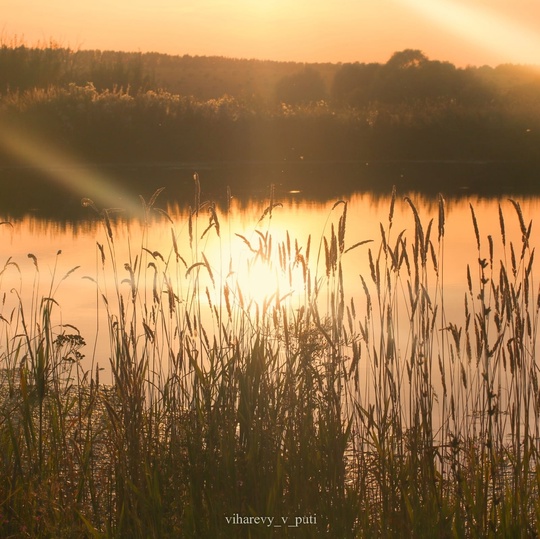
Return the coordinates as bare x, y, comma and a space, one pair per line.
475, 32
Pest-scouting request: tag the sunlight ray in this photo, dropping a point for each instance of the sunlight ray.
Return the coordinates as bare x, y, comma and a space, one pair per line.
66, 171
485, 28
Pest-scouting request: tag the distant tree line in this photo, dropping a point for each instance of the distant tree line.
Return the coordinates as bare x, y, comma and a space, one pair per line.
135, 106
406, 77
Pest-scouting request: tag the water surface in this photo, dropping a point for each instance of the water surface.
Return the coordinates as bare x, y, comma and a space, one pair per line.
68, 239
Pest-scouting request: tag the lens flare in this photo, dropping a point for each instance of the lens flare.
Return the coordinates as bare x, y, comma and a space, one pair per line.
66, 171
511, 41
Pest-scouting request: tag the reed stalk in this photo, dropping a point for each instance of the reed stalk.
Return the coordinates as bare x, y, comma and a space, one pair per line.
372, 415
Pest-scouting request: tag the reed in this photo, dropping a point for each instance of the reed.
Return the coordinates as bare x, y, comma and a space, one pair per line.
364, 416
121, 122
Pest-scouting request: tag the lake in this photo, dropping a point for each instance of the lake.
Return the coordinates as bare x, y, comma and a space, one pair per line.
248, 238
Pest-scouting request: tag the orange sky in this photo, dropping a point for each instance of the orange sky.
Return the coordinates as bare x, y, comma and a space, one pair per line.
464, 32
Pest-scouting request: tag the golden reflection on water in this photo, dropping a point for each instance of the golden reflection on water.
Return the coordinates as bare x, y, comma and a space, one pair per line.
246, 252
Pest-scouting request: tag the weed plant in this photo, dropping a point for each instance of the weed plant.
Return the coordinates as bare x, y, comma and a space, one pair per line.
122, 124
363, 416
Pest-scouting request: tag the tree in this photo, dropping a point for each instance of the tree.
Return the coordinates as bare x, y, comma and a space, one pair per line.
353, 83
407, 59
304, 86
409, 75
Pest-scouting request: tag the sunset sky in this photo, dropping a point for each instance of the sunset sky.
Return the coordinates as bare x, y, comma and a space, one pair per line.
464, 32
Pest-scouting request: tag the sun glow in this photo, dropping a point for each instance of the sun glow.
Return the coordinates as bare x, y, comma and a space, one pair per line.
264, 281
259, 8
260, 282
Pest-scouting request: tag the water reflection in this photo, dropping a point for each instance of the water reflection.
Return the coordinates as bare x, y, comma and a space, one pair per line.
257, 254
55, 193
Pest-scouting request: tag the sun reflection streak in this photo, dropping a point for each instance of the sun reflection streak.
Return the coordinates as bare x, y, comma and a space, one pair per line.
484, 27
66, 171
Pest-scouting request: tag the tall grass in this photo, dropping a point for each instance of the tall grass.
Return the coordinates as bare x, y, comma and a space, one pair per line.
121, 124
361, 416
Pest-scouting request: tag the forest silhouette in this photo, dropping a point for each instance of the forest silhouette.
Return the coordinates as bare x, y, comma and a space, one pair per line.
110, 106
